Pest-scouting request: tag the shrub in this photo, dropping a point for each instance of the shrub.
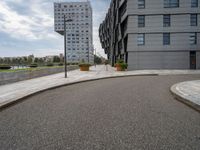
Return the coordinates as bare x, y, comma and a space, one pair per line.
74, 63
60, 64
33, 65
120, 61
5, 66
84, 65
106, 62
50, 64
122, 64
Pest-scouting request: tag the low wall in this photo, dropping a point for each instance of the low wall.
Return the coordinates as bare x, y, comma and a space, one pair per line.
10, 77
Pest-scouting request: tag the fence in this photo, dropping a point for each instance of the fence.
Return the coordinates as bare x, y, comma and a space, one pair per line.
10, 77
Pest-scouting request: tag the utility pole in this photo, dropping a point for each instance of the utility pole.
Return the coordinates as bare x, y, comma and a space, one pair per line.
65, 44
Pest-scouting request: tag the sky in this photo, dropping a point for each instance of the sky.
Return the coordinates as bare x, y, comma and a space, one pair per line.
27, 27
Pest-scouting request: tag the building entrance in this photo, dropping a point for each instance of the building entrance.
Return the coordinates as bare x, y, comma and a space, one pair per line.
192, 59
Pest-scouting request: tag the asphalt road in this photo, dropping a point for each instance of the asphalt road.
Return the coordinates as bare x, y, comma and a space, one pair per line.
111, 114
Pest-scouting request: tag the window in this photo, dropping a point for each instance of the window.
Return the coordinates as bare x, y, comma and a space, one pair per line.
141, 4
141, 39
171, 3
166, 20
166, 38
193, 19
193, 38
141, 21
194, 3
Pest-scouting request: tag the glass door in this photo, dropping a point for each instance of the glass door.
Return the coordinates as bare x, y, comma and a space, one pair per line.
192, 59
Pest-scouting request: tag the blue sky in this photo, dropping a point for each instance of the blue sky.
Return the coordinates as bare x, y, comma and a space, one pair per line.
26, 27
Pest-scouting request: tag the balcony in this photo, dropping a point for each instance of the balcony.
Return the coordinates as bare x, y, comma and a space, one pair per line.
123, 27
121, 2
122, 10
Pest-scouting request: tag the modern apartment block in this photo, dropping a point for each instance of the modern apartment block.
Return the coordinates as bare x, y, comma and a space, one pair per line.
153, 34
79, 30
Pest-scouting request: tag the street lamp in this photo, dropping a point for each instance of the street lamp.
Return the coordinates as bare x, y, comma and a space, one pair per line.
65, 44
88, 55
95, 54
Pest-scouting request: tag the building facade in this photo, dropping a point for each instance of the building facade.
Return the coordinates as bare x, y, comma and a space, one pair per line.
153, 34
79, 30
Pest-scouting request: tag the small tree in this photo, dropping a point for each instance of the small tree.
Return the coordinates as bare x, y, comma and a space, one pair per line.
7, 60
21, 61
30, 59
1, 60
97, 60
41, 61
24, 60
13, 61
56, 59
17, 61
36, 60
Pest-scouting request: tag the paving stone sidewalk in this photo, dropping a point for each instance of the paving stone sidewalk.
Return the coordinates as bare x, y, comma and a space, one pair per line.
12, 92
188, 92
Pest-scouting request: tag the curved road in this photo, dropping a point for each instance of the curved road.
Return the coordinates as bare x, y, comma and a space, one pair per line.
122, 113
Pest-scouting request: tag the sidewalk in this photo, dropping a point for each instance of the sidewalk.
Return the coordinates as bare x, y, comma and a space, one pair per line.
188, 92
10, 93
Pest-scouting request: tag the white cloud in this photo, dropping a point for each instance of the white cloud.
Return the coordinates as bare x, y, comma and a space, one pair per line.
32, 20
34, 27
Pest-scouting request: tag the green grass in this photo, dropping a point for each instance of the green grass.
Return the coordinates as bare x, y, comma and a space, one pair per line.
29, 69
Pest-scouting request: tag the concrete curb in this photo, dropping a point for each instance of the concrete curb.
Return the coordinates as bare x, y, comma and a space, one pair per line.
178, 96
20, 99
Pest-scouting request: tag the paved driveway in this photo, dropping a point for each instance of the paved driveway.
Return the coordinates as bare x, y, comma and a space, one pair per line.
122, 113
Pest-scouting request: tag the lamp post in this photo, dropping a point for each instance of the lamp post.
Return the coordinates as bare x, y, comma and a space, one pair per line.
88, 55
65, 44
95, 55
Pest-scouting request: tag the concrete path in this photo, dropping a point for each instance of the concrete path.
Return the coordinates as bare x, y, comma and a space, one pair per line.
12, 92
188, 92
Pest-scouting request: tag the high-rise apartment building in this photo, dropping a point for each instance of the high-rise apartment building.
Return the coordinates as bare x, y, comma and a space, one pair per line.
79, 30
153, 34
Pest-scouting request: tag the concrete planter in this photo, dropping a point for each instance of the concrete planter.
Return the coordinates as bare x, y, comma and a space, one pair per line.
119, 68
84, 68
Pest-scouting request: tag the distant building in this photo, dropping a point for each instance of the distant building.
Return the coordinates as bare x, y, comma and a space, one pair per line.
153, 34
61, 57
79, 31
49, 58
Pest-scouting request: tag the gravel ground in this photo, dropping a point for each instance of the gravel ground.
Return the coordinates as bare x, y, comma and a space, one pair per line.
122, 113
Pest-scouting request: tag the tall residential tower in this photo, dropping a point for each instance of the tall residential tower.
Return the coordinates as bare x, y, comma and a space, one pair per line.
153, 34
79, 30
